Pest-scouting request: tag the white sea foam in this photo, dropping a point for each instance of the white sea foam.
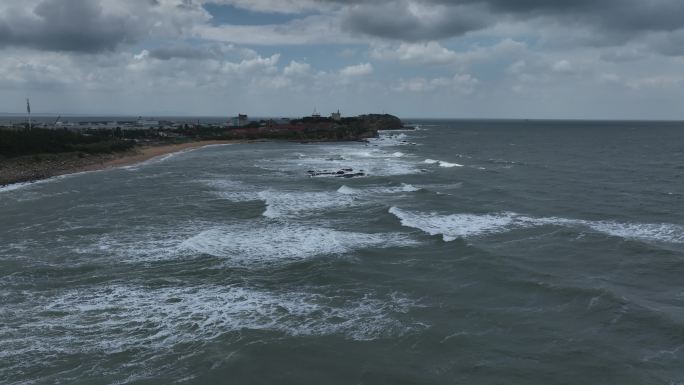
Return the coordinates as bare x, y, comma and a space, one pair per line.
22, 185
216, 145
662, 232
409, 188
289, 204
449, 165
165, 157
332, 158
269, 244
155, 160
452, 227
348, 191
442, 163
138, 244
118, 318
649, 232
238, 196
389, 139
257, 244
281, 204
232, 190
457, 226
15, 186
398, 154
378, 190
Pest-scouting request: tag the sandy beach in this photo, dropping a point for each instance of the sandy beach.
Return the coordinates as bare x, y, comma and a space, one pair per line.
142, 154
28, 169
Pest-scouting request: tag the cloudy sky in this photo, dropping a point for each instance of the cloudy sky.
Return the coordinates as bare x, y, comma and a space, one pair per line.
581, 59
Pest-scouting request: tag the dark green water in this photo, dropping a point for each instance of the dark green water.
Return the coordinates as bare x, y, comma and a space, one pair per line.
472, 253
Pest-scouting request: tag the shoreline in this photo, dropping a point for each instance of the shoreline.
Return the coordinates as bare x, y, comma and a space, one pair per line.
28, 170
145, 153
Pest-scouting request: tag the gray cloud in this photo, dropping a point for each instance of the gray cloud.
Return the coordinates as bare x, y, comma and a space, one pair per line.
398, 20
612, 21
671, 44
84, 26
67, 25
186, 52
624, 15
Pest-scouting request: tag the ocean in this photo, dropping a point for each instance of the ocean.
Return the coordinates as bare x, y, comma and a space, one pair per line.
470, 252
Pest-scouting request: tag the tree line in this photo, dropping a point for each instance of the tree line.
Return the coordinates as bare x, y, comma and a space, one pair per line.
42, 141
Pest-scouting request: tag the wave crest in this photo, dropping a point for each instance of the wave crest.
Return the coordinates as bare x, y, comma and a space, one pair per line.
455, 226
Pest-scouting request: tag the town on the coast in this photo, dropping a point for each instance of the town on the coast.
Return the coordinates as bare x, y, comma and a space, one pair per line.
334, 126
33, 148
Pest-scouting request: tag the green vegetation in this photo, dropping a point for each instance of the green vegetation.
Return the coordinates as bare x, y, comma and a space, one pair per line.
36, 142
304, 129
254, 132
39, 141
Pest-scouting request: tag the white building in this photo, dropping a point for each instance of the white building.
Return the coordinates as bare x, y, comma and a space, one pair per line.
145, 123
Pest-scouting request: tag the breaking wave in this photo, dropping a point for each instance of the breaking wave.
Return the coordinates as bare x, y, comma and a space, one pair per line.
150, 321
390, 139
285, 243
256, 244
281, 204
368, 160
455, 226
404, 188
442, 163
22, 185
452, 227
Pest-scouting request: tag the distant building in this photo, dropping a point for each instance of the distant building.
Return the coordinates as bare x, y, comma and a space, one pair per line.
145, 123
11, 126
239, 121
64, 125
315, 114
336, 116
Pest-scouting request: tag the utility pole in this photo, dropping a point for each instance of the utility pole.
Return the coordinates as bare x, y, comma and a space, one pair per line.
28, 111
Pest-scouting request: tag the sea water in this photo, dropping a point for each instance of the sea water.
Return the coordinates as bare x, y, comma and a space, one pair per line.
471, 252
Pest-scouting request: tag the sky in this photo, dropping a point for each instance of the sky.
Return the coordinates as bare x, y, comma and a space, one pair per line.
527, 59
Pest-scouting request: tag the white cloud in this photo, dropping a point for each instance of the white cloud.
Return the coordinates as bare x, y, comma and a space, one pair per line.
417, 53
563, 66
174, 51
433, 53
296, 68
265, 64
462, 83
273, 82
144, 54
357, 70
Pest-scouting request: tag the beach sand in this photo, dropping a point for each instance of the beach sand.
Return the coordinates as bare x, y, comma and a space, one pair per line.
142, 154
28, 169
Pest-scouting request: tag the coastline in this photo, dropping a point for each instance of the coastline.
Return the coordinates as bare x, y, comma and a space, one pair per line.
29, 169
145, 153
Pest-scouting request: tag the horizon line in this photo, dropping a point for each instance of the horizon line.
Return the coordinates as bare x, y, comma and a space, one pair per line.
177, 115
